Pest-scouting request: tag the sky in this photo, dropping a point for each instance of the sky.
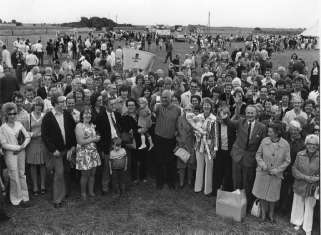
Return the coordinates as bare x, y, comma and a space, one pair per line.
233, 13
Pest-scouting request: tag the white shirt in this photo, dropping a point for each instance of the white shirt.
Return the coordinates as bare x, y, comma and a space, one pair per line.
112, 128
87, 43
113, 57
32, 59
264, 82
224, 137
38, 47
60, 119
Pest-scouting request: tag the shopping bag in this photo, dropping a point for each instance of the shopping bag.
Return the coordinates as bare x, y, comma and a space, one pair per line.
231, 204
256, 208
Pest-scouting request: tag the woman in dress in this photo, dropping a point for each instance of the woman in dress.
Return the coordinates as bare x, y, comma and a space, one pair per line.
15, 154
209, 125
296, 111
36, 152
273, 157
129, 122
306, 170
186, 140
87, 157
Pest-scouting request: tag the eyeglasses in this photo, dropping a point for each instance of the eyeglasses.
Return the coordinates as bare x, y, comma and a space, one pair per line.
12, 114
63, 101
312, 145
272, 93
194, 87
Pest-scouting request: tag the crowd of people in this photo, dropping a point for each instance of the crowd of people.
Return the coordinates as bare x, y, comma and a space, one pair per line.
235, 126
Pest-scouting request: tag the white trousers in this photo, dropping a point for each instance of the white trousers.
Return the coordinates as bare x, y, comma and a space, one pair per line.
202, 158
302, 212
16, 171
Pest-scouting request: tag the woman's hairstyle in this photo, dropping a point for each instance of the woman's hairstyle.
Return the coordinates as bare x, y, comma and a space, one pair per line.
48, 70
94, 97
30, 88
197, 97
16, 94
280, 82
139, 76
81, 90
308, 101
123, 88
146, 88
269, 99
142, 100
168, 80
312, 137
198, 108
294, 54
277, 128
295, 124
6, 108
82, 111
132, 100
207, 101
38, 101
258, 80
177, 96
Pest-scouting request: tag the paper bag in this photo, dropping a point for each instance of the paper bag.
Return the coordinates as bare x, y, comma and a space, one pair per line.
231, 204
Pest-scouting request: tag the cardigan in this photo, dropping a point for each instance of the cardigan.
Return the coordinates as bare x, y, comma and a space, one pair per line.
51, 133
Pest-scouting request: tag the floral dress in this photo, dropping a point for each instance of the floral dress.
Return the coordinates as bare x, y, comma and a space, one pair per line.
87, 156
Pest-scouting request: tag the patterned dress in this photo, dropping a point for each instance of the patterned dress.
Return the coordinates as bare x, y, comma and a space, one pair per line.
274, 156
87, 156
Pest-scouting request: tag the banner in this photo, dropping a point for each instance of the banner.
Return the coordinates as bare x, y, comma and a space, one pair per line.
137, 59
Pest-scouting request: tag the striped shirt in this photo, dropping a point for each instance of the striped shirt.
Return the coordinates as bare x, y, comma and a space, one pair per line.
166, 119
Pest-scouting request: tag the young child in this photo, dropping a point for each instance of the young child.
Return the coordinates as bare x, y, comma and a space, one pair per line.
145, 122
118, 166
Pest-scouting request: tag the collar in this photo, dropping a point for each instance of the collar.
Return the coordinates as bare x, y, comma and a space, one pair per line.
252, 123
55, 112
27, 102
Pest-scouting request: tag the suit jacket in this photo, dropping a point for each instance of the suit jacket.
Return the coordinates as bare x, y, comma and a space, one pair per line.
51, 133
231, 134
241, 153
8, 85
103, 127
42, 92
57, 78
231, 101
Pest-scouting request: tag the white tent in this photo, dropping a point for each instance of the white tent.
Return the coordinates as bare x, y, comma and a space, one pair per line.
313, 32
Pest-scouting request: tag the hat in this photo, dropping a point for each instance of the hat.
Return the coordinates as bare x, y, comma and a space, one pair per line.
281, 69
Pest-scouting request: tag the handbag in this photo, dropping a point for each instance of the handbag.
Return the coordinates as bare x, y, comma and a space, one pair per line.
132, 145
21, 138
182, 153
126, 138
317, 193
311, 189
256, 208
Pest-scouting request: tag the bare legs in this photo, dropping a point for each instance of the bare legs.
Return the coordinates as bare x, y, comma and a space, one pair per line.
88, 176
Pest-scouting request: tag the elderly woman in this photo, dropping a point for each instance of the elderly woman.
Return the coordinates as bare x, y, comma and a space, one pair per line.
186, 140
129, 123
205, 152
296, 143
273, 157
306, 170
296, 111
15, 155
36, 152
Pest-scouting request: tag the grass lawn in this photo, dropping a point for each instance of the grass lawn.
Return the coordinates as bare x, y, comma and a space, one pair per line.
145, 209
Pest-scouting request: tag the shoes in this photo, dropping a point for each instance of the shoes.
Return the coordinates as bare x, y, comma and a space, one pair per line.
24, 204
92, 195
150, 147
272, 221
296, 228
181, 187
136, 182
145, 182
57, 205
104, 193
35, 193
43, 191
171, 186
262, 220
142, 147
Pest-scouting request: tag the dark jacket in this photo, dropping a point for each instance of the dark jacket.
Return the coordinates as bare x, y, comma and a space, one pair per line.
57, 78
42, 92
8, 85
51, 133
103, 127
231, 134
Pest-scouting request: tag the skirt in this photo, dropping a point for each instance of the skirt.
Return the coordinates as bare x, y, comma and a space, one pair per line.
267, 187
37, 153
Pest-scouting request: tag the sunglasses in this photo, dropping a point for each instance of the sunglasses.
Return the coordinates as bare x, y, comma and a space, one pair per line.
272, 93
193, 86
12, 114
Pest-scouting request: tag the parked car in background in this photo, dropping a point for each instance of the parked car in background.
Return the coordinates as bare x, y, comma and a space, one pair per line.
180, 38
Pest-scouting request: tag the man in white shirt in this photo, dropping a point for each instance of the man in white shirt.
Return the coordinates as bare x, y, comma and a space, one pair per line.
186, 96
206, 73
188, 62
113, 57
87, 43
31, 61
263, 54
70, 49
39, 50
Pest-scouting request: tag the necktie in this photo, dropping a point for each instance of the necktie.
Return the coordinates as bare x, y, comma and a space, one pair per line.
115, 125
248, 134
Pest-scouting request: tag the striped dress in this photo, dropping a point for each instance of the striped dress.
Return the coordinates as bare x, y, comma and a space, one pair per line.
274, 156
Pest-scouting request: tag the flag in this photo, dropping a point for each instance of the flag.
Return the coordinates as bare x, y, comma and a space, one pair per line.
136, 59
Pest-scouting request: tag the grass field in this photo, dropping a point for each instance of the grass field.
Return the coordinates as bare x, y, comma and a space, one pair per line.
145, 210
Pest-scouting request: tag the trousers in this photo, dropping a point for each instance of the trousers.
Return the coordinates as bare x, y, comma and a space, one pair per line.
201, 159
222, 171
62, 169
106, 172
302, 212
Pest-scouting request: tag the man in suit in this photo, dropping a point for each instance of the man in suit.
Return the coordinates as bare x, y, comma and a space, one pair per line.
56, 76
207, 92
58, 134
250, 133
8, 85
227, 96
222, 171
43, 91
108, 126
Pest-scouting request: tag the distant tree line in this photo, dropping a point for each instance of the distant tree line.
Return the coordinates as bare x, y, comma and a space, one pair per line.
94, 22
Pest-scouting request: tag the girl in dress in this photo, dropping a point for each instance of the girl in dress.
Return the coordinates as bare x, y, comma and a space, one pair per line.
145, 122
